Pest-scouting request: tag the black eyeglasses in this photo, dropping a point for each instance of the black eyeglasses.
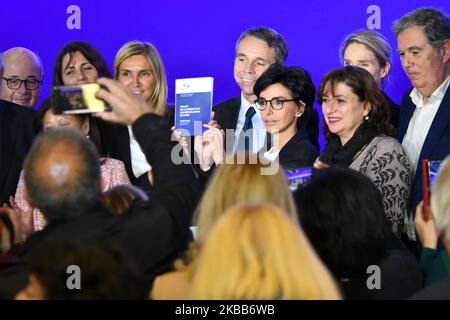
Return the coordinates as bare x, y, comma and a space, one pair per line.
15, 83
276, 103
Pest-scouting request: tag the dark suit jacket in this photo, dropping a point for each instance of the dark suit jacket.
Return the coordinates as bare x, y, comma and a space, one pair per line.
227, 114
152, 235
16, 137
299, 152
394, 109
437, 142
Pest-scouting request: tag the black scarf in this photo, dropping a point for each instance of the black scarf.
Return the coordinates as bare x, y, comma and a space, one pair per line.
342, 156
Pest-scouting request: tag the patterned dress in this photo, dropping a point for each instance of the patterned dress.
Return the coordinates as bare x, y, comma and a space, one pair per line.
112, 173
385, 163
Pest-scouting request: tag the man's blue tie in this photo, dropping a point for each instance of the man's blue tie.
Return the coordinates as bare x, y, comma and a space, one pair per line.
246, 140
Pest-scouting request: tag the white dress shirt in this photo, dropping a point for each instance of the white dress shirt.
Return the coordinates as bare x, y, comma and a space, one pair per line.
421, 121
139, 162
259, 130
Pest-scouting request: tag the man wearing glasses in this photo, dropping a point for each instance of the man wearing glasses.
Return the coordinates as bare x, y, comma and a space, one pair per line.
21, 76
20, 81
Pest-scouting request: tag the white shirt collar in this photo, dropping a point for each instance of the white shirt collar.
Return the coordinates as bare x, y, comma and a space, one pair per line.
245, 105
437, 95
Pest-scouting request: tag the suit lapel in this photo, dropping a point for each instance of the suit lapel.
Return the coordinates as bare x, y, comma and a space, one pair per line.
440, 123
406, 113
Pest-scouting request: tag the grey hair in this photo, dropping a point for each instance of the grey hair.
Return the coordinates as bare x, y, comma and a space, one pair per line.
374, 41
25, 51
440, 198
435, 21
272, 38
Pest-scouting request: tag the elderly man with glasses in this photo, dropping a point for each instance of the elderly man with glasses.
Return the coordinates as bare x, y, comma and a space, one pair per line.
21, 76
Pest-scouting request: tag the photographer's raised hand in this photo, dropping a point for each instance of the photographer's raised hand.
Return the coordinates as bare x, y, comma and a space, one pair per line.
126, 106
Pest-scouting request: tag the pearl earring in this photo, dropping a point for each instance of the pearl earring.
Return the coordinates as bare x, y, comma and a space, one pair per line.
366, 118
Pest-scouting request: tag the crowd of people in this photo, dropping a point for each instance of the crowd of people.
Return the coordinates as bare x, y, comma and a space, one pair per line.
103, 192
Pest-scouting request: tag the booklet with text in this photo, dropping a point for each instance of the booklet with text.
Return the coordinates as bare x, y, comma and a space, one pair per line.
193, 104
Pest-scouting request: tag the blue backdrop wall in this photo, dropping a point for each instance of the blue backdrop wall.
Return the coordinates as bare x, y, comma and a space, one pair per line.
197, 38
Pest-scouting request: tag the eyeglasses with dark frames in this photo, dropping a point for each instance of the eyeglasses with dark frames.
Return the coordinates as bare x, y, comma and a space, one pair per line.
16, 83
276, 103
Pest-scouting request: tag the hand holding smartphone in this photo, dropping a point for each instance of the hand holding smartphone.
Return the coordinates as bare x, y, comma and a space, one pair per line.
77, 99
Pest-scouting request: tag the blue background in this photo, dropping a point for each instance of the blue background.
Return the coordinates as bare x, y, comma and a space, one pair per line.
197, 38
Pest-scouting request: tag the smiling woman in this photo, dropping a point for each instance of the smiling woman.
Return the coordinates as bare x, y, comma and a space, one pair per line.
283, 96
358, 136
139, 67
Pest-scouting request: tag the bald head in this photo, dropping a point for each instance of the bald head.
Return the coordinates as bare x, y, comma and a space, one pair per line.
20, 64
62, 174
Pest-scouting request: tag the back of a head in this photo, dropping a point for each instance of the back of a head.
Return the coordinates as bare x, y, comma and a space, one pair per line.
342, 213
440, 198
236, 182
256, 251
272, 38
436, 25
120, 198
104, 272
62, 174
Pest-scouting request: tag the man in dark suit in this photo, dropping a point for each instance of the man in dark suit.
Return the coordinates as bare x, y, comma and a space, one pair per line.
62, 177
256, 50
16, 137
424, 49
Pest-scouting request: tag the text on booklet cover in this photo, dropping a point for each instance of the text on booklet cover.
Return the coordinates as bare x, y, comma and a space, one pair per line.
193, 103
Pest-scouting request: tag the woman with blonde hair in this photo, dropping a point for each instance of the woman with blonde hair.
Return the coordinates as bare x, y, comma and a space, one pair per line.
255, 252
139, 67
232, 184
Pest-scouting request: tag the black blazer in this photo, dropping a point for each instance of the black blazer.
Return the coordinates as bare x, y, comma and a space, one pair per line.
227, 114
394, 110
299, 152
437, 142
16, 136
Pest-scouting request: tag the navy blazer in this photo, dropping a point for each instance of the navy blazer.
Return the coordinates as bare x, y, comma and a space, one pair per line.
16, 137
437, 142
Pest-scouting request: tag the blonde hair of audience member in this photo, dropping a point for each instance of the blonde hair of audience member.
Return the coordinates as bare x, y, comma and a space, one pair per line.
440, 198
233, 184
255, 252
121, 197
158, 97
